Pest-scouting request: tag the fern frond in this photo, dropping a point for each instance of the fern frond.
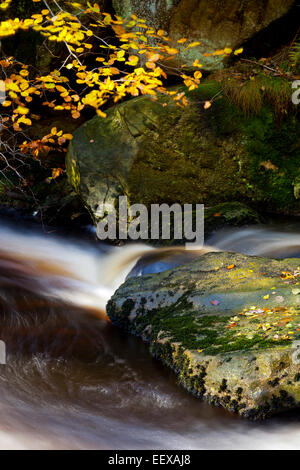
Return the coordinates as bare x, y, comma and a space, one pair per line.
295, 53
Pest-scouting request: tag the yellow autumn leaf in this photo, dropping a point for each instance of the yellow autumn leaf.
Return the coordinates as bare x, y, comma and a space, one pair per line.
56, 172
154, 57
133, 60
4, 5
238, 51
150, 65
219, 52
231, 266
25, 121
101, 113
192, 44
22, 110
172, 50
196, 63
12, 86
120, 54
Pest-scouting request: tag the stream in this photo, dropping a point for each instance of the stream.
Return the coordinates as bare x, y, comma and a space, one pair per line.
74, 381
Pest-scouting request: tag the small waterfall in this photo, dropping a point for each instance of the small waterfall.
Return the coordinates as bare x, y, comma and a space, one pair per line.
74, 381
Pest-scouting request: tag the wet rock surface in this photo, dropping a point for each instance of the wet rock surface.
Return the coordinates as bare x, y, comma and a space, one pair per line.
227, 324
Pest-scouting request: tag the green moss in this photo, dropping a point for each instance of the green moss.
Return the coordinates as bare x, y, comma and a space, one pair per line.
258, 90
280, 146
207, 90
270, 167
195, 331
263, 169
196, 323
190, 155
229, 213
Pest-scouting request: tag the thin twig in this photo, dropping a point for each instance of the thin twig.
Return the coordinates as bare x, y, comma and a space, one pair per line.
277, 72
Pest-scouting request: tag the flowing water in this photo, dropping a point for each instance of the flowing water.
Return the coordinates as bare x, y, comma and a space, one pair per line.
74, 381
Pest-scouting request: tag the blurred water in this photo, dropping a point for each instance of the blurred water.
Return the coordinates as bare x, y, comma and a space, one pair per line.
74, 381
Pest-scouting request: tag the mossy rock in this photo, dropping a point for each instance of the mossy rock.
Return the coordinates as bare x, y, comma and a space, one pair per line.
227, 324
215, 25
233, 214
165, 154
226, 214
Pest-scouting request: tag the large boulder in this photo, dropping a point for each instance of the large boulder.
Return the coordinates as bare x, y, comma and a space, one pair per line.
164, 154
227, 324
216, 24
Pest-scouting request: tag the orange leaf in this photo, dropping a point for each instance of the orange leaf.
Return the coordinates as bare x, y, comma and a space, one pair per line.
56, 172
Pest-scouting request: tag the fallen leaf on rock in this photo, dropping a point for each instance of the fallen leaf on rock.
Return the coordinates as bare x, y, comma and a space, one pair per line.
231, 325
268, 165
286, 275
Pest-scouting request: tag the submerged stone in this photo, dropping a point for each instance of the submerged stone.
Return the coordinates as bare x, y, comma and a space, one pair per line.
226, 323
